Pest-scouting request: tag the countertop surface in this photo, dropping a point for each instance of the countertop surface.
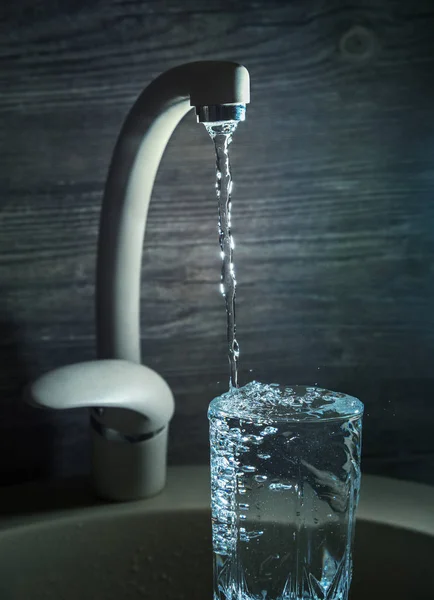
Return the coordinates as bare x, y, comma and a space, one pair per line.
393, 502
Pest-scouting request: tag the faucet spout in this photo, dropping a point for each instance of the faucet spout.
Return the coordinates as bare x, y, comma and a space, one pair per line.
219, 91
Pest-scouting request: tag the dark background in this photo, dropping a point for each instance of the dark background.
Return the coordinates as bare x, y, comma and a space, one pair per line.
333, 213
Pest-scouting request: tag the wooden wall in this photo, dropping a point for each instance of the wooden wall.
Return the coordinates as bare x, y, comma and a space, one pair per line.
333, 212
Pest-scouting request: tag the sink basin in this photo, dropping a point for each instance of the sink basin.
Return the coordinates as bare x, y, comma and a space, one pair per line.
161, 548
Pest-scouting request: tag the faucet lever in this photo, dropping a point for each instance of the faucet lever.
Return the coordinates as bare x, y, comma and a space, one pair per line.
128, 441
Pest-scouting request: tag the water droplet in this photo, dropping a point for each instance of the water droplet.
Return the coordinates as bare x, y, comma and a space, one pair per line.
276, 487
247, 536
252, 439
260, 478
248, 468
264, 456
268, 431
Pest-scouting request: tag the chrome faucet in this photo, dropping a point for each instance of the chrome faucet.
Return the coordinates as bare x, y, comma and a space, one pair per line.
131, 405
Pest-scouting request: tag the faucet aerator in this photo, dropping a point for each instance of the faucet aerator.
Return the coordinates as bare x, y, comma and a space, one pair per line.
221, 113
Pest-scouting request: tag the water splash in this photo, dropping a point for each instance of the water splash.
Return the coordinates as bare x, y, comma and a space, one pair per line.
222, 133
270, 403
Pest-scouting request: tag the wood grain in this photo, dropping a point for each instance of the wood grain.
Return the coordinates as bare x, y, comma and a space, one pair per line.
333, 212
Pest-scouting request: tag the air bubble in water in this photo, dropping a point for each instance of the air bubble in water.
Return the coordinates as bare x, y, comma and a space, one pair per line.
268, 431
276, 487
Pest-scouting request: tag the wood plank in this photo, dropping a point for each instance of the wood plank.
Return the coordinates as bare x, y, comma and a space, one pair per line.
333, 212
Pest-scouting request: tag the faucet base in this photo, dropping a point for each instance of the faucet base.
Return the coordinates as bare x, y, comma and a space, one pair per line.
125, 471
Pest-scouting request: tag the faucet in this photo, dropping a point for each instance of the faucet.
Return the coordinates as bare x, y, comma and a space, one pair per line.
130, 404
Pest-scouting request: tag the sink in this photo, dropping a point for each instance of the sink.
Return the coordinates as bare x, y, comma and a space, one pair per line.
160, 548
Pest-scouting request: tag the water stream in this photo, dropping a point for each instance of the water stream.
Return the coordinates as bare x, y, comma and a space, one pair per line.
222, 133
285, 466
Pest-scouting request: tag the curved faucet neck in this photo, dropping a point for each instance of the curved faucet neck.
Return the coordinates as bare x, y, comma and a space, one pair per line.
122, 227
128, 190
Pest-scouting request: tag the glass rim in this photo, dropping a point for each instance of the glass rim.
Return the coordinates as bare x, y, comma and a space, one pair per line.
311, 419
314, 405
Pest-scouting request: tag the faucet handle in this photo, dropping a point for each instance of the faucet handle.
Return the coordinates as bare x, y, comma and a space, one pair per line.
106, 384
129, 461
